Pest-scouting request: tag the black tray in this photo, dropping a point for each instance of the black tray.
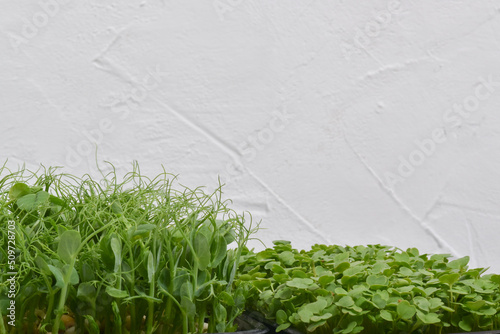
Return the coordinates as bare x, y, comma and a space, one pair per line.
250, 325
270, 324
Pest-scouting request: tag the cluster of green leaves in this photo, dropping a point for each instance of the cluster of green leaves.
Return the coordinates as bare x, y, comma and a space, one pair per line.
369, 289
120, 257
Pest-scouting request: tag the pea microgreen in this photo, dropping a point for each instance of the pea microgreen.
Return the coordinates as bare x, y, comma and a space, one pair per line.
130, 256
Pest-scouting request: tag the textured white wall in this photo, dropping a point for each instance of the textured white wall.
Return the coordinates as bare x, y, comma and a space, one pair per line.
348, 122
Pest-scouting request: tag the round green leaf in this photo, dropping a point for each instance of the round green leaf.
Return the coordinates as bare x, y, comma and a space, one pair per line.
345, 301
405, 310
300, 283
18, 190
281, 317
386, 315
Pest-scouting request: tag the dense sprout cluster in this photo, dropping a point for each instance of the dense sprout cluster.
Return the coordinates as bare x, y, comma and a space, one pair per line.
142, 256
113, 256
370, 289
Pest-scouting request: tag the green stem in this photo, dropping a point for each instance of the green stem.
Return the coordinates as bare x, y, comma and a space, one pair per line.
169, 311
133, 323
451, 298
201, 320
51, 300
62, 299
151, 309
66, 279
185, 324
151, 305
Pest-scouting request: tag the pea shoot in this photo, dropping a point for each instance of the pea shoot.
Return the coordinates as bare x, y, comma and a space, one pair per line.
121, 256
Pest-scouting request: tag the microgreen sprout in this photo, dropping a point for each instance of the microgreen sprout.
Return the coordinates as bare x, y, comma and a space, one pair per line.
120, 256
369, 289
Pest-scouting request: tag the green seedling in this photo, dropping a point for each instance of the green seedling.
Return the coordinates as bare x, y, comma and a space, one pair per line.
369, 289
131, 256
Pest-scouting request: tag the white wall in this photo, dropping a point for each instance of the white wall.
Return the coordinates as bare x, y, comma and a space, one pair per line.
350, 122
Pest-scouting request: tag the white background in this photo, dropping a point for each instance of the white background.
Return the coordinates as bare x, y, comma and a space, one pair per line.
348, 122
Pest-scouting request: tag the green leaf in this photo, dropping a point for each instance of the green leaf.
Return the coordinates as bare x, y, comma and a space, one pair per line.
282, 327
402, 257
461, 290
300, 283
467, 323
220, 313
422, 303
458, 263
151, 267
58, 275
379, 267
69, 243
281, 242
405, 310
86, 292
341, 267
32, 201
73, 277
428, 318
261, 284
435, 303
116, 246
18, 190
317, 307
475, 305
446, 308
314, 326
202, 250
350, 327
226, 298
284, 293
57, 201
220, 252
404, 271
42, 264
345, 301
116, 293
342, 257
305, 315
324, 316
340, 291
376, 281
187, 298
325, 280
488, 311
281, 317
277, 269
246, 277
87, 272
386, 315
429, 291
379, 301
449, 278
413, 251
301, 274
353, 270
287, 258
